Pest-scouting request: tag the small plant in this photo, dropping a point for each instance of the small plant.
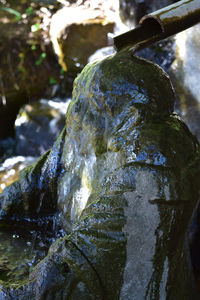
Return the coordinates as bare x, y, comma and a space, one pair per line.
52, 81
29, 11
40, 59
18, 15
35, 27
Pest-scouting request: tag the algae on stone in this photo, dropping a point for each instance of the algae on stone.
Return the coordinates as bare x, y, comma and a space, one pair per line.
123, 177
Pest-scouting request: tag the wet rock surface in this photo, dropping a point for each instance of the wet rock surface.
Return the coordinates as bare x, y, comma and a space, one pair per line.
161, 53
123, 176
186, 77
38, 125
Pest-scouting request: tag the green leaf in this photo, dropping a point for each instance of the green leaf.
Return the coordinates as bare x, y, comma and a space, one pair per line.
40, 59
35, 27
33, 47
52, 80
17, 14
29, 11
21, 56
43, 55
21, 69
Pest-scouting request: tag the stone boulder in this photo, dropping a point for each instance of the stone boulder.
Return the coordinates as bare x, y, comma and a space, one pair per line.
123, 176
38, 125
185, 73
77, 32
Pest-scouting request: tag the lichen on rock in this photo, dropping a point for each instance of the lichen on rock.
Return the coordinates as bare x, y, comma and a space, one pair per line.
122, 174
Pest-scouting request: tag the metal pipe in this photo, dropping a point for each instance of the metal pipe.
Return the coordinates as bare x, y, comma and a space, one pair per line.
159, 25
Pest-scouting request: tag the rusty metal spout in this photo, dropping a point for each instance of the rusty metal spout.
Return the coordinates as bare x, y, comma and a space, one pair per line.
159, 25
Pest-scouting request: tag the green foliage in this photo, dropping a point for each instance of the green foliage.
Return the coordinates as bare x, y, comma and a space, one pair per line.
17, 14
62, 72
21, 63
40, 59
52, 81
21, 56
29, 11
33, 47
35, 27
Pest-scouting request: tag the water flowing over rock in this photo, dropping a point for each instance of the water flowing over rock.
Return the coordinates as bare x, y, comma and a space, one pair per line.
122, 175
186, 77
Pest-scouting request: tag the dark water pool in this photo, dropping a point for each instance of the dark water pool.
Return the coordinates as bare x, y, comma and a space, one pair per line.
23, 244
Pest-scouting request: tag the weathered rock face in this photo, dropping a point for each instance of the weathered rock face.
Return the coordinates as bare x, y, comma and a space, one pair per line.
38, 125
27, 61
186, 77
122, 175
133, 10
76, 33
162, 53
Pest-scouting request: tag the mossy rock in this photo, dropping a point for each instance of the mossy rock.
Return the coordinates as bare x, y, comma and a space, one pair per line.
124, 177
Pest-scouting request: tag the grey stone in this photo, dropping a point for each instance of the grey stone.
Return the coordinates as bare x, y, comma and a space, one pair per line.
123, 175
186, 77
